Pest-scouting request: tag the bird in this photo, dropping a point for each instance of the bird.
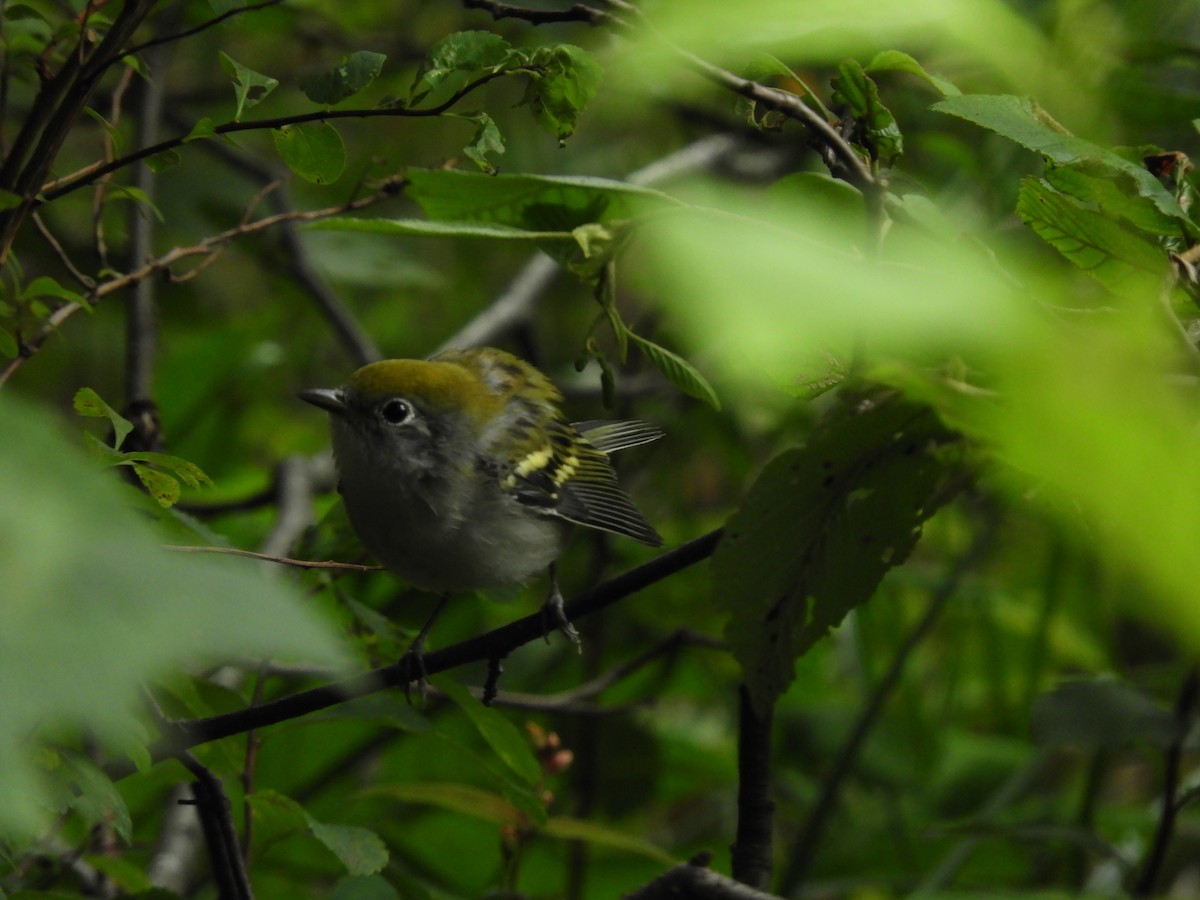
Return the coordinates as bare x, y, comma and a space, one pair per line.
460, 472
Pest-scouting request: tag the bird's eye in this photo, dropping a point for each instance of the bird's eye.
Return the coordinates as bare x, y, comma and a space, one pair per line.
396, 411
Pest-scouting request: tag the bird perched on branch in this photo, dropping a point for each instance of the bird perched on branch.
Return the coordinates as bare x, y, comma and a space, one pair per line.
460, 472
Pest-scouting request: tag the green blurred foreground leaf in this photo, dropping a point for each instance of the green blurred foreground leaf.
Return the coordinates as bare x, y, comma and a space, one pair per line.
94, 607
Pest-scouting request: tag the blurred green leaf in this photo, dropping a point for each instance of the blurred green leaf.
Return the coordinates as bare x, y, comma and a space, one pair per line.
99, 608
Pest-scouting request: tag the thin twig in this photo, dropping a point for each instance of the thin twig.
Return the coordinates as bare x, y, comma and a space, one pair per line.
203, 26
34, 343
85, 281
281, 560
63, 186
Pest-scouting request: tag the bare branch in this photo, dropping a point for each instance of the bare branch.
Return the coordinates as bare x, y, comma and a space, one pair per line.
31, 346
577, 13
62, 186
281, 560
203, 26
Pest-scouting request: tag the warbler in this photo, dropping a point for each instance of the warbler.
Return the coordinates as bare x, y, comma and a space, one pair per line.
460, 472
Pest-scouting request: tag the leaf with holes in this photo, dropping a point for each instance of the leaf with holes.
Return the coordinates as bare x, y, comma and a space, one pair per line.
313, 150
820, 528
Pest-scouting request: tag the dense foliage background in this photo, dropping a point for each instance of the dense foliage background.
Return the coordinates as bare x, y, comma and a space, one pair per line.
911, 287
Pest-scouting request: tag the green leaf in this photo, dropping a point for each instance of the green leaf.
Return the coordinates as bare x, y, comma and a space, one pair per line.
250, 87
190, 473
899, 61
313, 150
426, 228
45, 286
354, 73
818, 530
459, 798
1021, 120
203, 130
98, 608
530, 202
88, 403
8, 344
462, 52
569, 829
97, 799
162, 487
1095, 186
876, 126
9, 200
1117, 257
161, 162
487, 139
506, 740
360, 850
1100, 713
371, 887
567, 81
678, 371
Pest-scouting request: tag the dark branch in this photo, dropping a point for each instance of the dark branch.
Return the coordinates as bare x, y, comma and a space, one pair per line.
756, 810
203, 26
493, 644
577, 13
1185, 707
54, 190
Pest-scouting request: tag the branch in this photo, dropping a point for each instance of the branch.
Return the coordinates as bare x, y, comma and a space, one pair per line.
577, 13
62, 186
694, 879
282, 560
1185, 707
756, 811
203, 26
494, 644
216, 819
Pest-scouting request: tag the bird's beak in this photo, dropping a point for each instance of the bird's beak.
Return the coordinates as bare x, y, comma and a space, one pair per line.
329, 399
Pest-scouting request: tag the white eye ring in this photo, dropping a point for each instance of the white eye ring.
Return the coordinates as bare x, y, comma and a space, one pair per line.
396, 411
